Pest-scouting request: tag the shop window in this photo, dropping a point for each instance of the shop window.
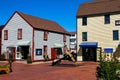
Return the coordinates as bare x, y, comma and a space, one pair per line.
58, 52
5, 34
19, 49
38, 52
19, 34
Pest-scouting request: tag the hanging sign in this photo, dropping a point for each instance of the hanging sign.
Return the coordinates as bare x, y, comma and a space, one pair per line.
117, 22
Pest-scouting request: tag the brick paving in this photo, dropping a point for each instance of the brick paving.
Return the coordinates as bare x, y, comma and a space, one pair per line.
65, 71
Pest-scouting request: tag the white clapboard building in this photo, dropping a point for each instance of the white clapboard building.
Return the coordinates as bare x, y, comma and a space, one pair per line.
25, 35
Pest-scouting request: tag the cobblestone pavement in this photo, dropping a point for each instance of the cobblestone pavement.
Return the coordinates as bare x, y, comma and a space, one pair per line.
44, 71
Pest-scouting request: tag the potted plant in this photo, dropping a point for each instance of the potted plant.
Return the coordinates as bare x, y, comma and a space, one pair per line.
29, 60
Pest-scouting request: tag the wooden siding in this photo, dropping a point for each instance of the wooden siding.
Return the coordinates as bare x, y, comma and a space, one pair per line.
12, 26
15, 23
52, 38
99, 32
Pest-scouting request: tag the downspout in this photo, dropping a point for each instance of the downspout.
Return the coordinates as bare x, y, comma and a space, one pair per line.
76, 40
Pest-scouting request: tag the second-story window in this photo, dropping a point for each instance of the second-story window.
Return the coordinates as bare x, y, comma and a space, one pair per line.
84, 21
19, 34
107, 18
72, 35
64, 38
84, 36
72, 40
5, 34
115, 35
45, 35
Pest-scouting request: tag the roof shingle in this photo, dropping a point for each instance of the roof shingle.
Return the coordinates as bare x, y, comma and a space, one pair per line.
98, 7
72, 33
43, 24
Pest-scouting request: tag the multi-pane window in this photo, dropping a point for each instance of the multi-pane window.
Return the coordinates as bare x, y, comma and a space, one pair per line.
45, 35
72, 35
64, 38
115, 35
5, 34
84, 36
72, 40
19, 34
107, 19
84, 21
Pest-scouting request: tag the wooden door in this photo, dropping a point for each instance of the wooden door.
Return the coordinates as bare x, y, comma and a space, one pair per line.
13, 53
53, 53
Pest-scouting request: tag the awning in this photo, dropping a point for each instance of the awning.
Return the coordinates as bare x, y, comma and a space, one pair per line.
108, 50
11, 46
89, 44
23, 43
56, 45
119, 45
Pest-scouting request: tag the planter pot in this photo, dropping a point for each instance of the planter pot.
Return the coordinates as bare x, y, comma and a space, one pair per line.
29, 61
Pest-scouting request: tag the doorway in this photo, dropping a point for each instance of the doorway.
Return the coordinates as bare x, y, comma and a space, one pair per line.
89, 53
55, 53
24, 51
11, 51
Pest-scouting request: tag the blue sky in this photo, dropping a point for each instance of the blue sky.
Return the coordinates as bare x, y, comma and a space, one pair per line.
61, 11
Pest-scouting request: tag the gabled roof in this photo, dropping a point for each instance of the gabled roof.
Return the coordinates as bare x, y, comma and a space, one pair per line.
72, 33
1, 27
43, 24
100, 7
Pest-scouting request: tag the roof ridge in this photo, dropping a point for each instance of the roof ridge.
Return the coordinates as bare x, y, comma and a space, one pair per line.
41, 23
99, 7
35, 16
96, 2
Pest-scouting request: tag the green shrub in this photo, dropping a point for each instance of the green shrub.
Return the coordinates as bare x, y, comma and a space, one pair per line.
108, 69
4, 71
3, 66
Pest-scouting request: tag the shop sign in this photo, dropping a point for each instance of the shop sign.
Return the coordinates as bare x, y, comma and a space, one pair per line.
117, 22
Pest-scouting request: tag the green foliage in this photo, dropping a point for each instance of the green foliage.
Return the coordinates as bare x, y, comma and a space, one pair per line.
11, 58
4, 71
108, 69
3, 66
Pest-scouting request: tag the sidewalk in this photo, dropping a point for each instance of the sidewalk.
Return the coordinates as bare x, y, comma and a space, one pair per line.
44, 71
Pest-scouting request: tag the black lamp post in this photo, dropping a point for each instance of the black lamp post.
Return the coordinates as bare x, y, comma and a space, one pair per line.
10, 60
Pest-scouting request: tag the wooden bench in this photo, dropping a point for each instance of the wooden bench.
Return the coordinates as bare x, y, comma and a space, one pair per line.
7, 69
